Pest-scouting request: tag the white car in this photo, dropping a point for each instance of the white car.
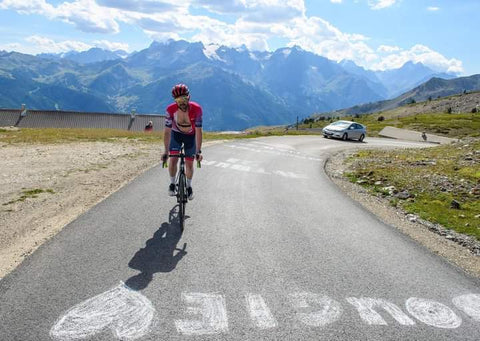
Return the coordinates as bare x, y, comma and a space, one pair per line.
345, 130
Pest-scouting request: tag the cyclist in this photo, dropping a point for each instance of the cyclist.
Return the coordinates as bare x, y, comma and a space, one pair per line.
183, 123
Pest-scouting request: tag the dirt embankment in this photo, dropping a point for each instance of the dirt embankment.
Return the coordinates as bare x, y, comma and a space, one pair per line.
44, 187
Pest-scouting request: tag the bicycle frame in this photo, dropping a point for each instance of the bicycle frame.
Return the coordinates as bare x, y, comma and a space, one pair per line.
181, 185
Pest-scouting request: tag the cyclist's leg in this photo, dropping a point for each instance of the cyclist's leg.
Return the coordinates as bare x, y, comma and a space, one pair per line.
174, 149
190, 148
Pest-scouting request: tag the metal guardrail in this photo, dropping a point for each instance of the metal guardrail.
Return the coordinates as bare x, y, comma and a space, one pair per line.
76, 119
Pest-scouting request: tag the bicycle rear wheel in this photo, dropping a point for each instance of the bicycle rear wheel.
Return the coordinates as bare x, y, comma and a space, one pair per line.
182, 199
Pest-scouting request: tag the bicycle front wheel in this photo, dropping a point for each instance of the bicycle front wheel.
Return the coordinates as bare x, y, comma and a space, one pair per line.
182, 199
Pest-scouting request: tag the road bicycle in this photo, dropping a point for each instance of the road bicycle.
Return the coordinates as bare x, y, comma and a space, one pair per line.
181, 186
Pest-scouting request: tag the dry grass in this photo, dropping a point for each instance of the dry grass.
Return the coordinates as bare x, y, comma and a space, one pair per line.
52, 135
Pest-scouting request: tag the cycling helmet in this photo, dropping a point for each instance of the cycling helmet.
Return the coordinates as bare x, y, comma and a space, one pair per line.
180, 90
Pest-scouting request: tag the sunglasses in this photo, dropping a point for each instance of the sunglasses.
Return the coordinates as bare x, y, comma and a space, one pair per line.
181, 99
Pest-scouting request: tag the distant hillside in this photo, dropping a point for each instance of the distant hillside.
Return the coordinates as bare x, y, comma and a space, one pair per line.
237, 88
433, 89
93, 55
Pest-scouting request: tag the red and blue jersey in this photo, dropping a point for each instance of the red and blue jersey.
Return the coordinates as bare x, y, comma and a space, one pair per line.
194, 116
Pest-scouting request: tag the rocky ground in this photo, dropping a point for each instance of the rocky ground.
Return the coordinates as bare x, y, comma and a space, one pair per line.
462, 103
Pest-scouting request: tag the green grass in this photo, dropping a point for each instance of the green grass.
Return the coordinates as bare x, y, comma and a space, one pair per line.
434, 177
32, 193
450, 125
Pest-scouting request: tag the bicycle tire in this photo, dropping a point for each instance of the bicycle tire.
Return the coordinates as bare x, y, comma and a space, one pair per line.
182, 199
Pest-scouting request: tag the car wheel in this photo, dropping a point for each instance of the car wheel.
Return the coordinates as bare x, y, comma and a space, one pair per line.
361, 138
345, 137
325, 136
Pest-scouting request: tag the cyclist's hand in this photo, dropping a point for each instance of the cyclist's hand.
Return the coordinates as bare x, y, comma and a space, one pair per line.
164, 158
198, 157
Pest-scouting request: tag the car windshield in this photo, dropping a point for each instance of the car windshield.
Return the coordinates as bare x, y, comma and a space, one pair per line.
340, 124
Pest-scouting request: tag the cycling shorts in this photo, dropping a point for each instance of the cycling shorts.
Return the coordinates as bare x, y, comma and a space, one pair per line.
176, 140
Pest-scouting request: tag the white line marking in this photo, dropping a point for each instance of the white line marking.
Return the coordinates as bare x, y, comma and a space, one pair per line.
259, 312
329, 312
273, 151
231, 160
433, 313
262, 171
212, 307
469, 304
126, 312
222, 165
289, 175
208, 163
366, 305
241, 168
279, 146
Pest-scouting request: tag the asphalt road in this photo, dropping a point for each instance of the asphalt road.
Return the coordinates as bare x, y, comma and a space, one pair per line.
272, 250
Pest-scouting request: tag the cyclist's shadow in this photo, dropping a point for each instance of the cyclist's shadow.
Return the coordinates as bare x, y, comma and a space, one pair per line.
160, 253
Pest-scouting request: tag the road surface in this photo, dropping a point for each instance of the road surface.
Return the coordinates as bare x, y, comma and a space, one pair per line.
272, 250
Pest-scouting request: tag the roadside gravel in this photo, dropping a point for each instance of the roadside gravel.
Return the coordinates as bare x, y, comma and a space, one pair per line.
433, 237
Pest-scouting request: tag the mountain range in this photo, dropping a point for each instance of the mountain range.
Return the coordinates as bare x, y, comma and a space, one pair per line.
237, 88
432, 89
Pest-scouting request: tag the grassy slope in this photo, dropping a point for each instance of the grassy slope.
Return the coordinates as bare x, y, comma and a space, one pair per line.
433, 177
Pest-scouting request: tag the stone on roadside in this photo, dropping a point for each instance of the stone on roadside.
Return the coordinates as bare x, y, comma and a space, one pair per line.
475, 190
403, 195
455, 205
412, 218
390, 189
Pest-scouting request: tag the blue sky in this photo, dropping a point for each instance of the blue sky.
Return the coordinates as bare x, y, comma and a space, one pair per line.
376, 34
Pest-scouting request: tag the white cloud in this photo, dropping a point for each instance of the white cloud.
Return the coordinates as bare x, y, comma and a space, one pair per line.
433, 9
41, 44
380, 4
27, 6
336, 1
261, 11
11, 47
142, 6
111, 45
86, 15
420, 54
388, 49
256, 22
254, 36
319, 36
